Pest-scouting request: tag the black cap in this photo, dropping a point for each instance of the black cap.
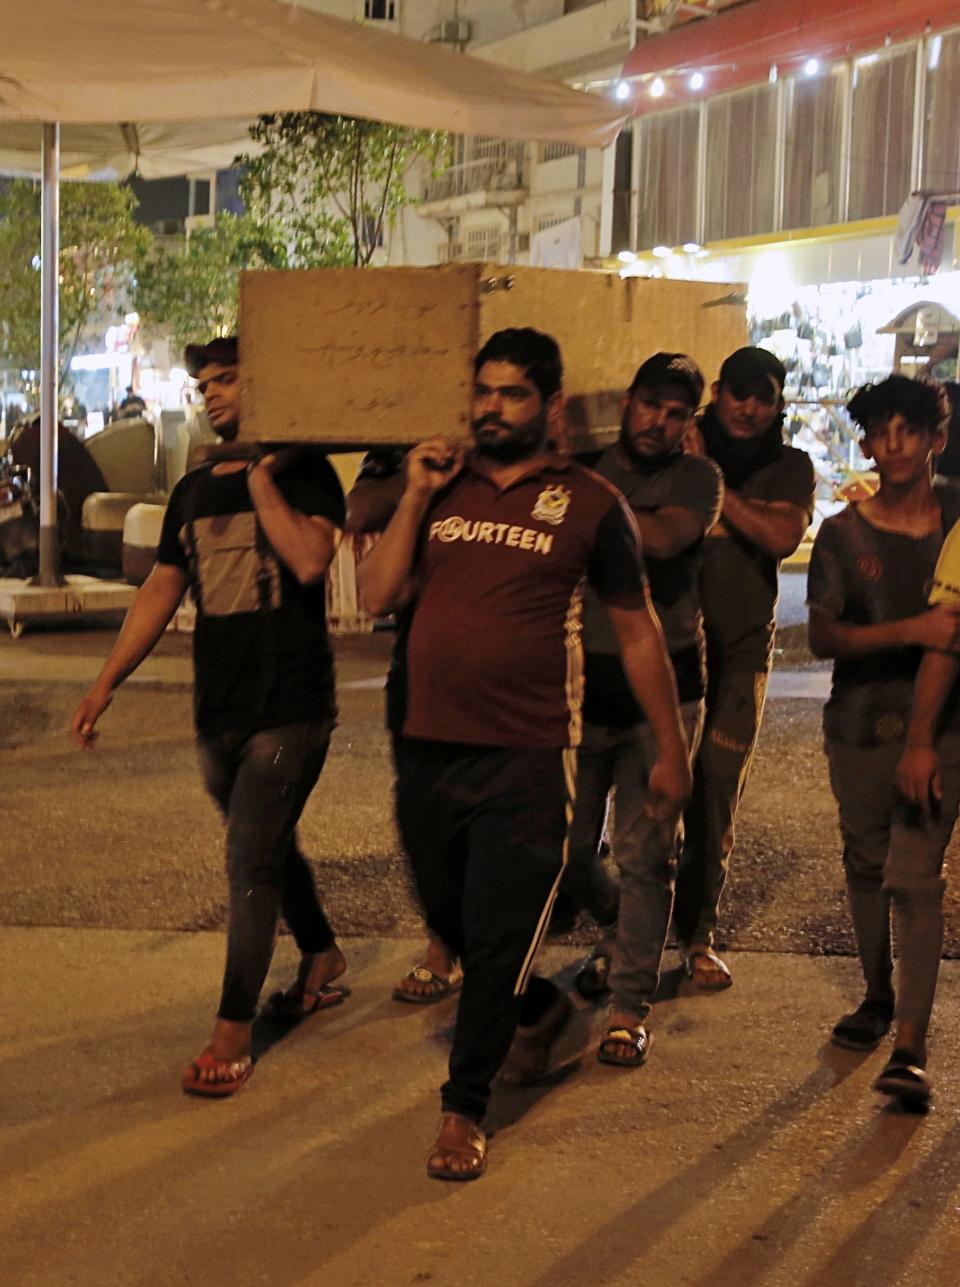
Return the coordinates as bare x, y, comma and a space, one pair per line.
223, 351
751, 366
671, 368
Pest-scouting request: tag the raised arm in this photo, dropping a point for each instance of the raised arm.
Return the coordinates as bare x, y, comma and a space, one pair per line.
386, 576
305, 543
156, 602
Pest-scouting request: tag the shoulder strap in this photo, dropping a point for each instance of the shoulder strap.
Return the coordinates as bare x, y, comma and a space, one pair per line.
190, 492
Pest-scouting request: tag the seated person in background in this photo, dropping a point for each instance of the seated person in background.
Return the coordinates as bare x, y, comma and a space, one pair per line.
132, 406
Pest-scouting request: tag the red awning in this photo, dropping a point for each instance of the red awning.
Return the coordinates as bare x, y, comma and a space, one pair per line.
738, 47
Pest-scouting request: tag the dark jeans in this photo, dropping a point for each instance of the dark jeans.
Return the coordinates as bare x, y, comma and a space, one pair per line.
485, 830
261, 782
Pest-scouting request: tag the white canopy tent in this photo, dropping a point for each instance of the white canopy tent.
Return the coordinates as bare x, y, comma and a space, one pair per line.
166, 87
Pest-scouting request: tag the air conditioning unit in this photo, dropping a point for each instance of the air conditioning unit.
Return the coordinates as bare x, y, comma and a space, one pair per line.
454, 31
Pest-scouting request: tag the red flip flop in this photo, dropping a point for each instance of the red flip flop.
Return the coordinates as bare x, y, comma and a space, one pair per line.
239, 1070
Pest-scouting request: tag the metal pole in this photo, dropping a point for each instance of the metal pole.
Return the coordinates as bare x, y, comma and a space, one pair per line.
49, 563
917, 158
634, 216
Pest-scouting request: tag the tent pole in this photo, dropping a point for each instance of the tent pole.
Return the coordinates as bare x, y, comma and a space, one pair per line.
49, 569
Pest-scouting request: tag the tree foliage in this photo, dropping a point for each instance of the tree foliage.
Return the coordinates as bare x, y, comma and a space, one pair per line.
190, 285
320, 192
99, 245
323, 189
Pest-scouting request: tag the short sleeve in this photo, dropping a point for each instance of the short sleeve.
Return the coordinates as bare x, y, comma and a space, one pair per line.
170, 548
310, 485
797, 481
616, 564
825, 581
946, 577
700, 490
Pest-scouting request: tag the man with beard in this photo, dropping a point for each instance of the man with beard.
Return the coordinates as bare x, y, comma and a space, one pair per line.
253, 539
675, 499
767, 507
493, 546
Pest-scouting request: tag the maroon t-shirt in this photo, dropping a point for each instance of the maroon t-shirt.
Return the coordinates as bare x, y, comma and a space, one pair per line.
494, 654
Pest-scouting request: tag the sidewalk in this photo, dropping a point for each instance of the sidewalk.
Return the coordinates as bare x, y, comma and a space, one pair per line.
75, 657
746, 1152
361, 661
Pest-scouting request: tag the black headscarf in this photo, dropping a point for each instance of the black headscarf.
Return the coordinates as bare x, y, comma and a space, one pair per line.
740, 458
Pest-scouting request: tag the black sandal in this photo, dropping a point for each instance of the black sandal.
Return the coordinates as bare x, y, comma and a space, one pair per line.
864, 1028
294, 1006
593, 977
905, 1080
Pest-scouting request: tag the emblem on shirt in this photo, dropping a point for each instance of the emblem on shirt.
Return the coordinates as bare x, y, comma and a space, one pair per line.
870, 567
451, 529
552, 505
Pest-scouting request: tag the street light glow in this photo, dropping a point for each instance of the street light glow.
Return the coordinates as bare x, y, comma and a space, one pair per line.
657, 88
697, 80
622, 91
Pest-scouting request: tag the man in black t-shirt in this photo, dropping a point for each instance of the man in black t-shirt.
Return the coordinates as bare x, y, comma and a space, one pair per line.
767, 507
253, 541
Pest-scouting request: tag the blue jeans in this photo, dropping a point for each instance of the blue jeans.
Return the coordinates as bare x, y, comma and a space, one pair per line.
645, 852
261, 782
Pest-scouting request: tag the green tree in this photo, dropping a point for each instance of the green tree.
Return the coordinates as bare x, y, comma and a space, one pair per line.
99, 244
323, 189
319, 193
190, 286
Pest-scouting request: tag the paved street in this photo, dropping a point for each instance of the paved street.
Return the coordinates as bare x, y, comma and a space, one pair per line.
748, 1151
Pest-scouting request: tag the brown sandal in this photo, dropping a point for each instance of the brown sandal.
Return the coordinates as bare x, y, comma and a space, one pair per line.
715, 978
461, 1138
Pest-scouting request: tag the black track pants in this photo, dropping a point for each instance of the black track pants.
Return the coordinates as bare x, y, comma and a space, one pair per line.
486, 831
